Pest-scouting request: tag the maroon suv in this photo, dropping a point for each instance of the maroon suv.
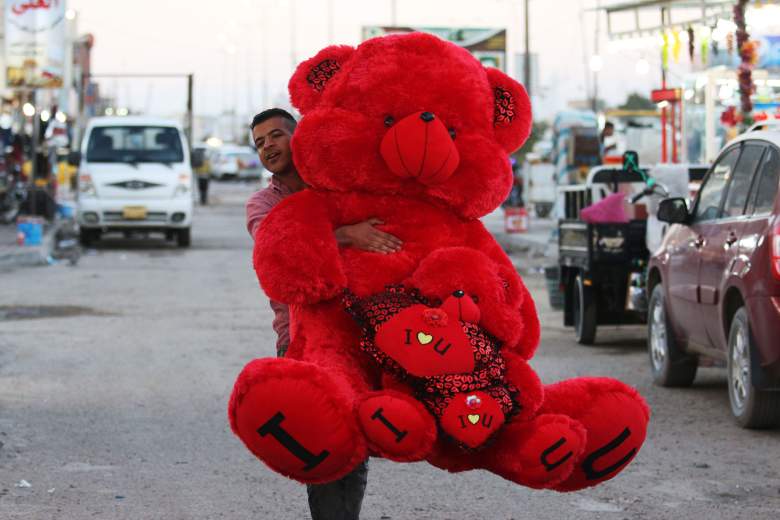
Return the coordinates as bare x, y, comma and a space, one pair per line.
715, 281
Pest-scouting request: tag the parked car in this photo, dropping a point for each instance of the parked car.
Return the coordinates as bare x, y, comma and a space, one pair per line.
134, 175
237, 162
715, 280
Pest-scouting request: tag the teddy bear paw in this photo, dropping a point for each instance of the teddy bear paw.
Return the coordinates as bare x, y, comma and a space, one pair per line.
396, 426
539, 453
293, 416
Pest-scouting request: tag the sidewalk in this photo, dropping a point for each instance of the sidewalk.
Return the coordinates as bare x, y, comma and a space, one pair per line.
13, 255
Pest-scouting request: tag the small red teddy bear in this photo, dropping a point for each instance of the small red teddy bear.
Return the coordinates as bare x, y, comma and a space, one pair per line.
421, 354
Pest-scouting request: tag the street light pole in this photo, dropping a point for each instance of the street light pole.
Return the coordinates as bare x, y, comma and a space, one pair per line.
595, 103
527, 60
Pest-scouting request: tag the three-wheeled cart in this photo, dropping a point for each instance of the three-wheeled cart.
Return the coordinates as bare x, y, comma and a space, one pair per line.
602, 265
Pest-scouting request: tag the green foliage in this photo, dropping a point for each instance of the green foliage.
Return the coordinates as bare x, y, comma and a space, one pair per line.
537, 133
636, 101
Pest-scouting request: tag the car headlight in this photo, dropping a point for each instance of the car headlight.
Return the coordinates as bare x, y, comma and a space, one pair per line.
86, 186
183, 188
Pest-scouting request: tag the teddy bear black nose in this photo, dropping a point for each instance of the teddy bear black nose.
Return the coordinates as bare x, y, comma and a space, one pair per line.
427, 117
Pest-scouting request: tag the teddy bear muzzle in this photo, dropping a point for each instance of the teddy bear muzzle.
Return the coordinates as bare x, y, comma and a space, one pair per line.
420, 147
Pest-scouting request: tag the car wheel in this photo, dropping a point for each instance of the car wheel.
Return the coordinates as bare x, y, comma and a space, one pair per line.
584, 312
88, 237
752, 407
670, 365
183, 237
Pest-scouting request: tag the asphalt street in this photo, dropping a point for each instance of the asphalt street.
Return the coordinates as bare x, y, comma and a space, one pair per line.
115, 376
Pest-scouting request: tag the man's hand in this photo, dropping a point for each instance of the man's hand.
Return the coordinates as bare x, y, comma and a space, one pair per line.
366, 237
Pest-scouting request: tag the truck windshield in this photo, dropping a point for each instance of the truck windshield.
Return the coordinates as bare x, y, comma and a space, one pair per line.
134, 144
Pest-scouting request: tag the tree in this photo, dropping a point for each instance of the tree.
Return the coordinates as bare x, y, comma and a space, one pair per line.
636, 101
537, 133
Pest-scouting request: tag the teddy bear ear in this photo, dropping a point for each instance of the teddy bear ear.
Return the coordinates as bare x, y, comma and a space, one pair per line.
313, 76
512, 110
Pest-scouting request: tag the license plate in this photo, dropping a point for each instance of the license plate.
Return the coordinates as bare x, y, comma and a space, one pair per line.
134, 212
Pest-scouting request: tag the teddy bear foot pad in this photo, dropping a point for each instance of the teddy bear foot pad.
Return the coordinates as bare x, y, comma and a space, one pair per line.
293, 417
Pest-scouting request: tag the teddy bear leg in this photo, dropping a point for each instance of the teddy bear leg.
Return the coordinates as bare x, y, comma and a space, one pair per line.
539, 453
298, 418
615, 417
397, 426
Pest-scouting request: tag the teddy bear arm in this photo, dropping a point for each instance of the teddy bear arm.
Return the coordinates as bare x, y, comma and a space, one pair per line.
530, 390
296, 255
516, 294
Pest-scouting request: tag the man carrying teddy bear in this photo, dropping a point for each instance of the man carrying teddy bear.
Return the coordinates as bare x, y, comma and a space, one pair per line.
272, 132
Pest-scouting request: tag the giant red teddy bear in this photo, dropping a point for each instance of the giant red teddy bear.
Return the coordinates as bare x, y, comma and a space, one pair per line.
420, 354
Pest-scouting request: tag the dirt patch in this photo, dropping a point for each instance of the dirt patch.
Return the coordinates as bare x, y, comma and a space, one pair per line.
37, 312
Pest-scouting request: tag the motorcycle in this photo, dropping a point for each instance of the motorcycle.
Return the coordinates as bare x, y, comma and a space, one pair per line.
12, 193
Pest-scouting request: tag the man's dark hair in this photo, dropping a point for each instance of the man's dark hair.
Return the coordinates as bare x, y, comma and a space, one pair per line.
609, 124
273, 112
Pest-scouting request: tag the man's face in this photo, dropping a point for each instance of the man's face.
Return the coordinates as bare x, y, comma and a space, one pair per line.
272, 139
609, 130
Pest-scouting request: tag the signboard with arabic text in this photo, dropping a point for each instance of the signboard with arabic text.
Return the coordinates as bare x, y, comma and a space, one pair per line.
487, 45
34, 43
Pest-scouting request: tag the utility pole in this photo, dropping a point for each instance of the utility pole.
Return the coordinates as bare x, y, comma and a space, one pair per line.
190, 118
595, 103
330, 22
293, 57
527, 60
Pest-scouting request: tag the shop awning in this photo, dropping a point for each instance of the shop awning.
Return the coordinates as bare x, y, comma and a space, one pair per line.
647, 17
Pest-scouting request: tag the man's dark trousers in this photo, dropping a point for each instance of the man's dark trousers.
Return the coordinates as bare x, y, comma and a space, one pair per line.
340, 499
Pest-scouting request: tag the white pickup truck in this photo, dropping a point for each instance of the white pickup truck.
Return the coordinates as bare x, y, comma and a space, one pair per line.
539, 184
134, 175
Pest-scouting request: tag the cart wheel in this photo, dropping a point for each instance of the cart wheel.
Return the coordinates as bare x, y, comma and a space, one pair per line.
584, 312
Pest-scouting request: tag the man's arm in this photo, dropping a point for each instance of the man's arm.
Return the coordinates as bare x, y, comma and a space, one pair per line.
258, 207
363, 235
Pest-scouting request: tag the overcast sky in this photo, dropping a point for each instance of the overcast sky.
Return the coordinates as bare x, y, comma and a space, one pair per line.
222, 43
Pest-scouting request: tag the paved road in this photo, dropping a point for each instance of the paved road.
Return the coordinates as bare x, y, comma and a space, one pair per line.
116, 409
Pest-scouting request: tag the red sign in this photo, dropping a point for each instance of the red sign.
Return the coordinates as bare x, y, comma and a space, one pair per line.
666, 94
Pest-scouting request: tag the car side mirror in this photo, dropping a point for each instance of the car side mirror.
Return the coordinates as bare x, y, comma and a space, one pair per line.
197, 158
74, 158
673, 211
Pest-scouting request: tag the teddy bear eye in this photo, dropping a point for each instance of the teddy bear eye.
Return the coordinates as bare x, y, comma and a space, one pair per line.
389, 121
452, 133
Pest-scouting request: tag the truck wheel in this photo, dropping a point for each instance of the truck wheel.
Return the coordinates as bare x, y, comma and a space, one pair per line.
88, 237
183, 237
584, 312
669, 365
751, 406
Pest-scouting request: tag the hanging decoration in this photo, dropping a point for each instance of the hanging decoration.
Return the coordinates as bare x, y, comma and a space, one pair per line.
730, 117
676, 46
715, 43
747, 53
691, 43
665, 50
730, 43
704, 48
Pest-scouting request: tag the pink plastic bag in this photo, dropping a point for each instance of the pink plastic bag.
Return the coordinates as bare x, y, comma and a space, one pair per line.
607, 210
